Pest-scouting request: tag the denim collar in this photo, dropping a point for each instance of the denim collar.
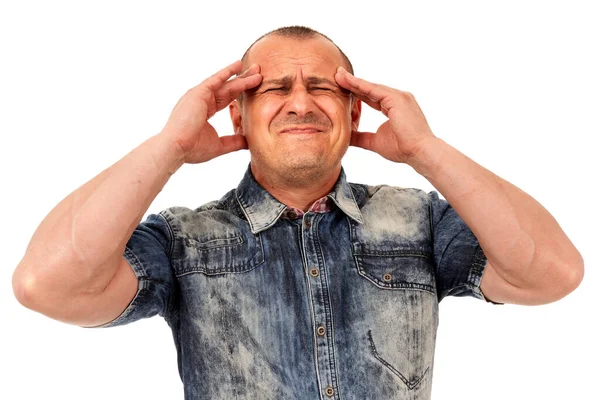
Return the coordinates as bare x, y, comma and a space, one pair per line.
262, 210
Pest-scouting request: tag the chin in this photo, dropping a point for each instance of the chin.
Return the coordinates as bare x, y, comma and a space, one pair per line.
306, 162
303, 169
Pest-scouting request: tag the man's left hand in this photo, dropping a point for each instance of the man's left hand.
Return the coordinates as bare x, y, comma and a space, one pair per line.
406, 130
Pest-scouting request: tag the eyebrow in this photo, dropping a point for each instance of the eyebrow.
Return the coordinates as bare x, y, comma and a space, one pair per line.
287, 81
319, 81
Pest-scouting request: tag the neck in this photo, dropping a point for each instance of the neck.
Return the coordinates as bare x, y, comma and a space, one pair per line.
295, 190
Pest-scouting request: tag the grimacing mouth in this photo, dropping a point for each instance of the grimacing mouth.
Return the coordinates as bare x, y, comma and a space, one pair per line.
300, 128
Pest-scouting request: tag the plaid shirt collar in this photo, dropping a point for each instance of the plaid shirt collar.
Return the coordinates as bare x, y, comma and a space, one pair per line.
322, 205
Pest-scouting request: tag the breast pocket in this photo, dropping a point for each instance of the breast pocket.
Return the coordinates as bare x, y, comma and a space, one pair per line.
393, 260
397, 269
214, 254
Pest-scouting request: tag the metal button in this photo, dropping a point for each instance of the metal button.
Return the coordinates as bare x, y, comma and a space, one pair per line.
314, 271
292, 215
321, 330
329, 391
387, 277
307, 223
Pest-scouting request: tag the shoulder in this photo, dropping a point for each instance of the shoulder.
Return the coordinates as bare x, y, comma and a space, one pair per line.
214, 215
374, 195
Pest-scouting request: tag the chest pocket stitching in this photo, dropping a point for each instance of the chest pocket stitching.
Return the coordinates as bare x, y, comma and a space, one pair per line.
400, 279
221, 245
215, 243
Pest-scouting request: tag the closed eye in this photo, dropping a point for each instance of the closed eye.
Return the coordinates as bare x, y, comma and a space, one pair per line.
274, 89
321, 88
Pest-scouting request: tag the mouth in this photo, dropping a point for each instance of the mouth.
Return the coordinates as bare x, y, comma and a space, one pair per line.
301, 130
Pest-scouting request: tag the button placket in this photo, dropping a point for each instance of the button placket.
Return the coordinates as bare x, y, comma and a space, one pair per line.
320, 308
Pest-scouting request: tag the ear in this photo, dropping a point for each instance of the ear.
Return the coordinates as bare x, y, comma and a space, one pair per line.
235, 113
355, 113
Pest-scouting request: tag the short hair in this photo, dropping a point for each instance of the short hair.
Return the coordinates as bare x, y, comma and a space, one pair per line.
300, 33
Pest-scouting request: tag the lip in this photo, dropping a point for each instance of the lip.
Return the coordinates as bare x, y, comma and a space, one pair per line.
301, 130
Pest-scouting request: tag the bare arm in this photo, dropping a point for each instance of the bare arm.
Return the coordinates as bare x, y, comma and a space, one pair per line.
77, 248
530, 259
73, 269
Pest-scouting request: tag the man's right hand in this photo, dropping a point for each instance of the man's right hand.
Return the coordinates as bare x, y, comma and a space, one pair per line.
74, 269
188, 126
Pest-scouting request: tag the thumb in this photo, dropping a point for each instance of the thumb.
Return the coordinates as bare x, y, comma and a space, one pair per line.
231, 143
366, 140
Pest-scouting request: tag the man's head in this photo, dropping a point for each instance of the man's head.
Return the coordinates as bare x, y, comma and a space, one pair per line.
298, 121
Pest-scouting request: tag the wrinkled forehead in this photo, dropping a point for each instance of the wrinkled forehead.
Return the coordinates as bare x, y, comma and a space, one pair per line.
279, 56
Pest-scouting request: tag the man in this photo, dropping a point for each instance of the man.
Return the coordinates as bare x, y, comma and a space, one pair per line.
297, 284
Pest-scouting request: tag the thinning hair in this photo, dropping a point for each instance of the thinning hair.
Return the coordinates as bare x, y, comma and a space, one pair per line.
299, 33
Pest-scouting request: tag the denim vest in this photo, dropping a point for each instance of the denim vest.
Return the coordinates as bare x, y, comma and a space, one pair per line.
335, 305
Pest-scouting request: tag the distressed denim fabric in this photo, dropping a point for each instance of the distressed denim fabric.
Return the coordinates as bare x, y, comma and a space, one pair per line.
335, 305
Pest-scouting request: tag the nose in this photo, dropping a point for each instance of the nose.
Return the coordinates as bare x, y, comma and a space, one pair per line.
299, 101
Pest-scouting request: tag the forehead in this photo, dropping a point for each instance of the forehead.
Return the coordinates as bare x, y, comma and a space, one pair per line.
279, 55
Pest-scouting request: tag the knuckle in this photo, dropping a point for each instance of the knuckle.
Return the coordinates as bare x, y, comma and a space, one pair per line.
406, 96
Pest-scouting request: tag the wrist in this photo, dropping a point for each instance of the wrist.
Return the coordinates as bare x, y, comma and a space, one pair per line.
427, 156
175, 156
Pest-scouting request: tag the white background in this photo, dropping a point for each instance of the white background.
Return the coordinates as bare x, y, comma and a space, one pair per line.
514, 86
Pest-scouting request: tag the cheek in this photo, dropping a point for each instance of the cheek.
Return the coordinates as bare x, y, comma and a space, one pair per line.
259, 115
335, 109
265, 112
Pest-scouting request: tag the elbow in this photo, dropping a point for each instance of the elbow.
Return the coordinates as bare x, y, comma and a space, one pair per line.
571, 276
563, 274
23, 285
558, 282
574, 273
31, 289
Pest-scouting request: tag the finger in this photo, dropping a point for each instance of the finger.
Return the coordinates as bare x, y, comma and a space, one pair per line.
215, 81
233, 88
366, 91
231, 143
365, 140
253, 69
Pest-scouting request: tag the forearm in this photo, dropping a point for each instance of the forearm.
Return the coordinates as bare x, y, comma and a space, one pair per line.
73, 246
519, 237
